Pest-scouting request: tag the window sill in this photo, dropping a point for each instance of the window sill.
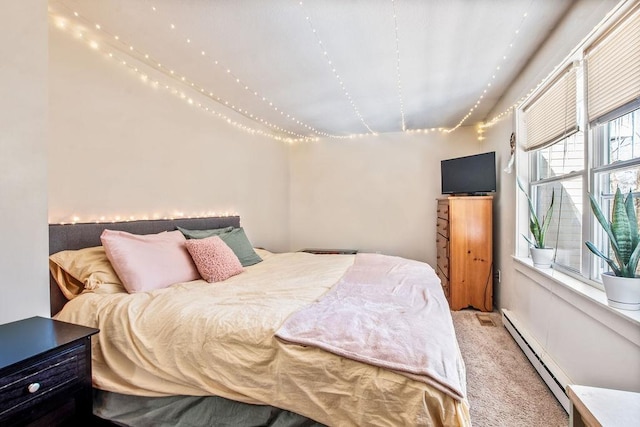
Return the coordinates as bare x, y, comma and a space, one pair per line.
576, 293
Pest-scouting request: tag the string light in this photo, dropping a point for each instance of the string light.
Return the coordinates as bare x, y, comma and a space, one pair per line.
130, 51
244, 86
326, 56
395, 23
480, 132
175, 214
495, 73
148, 60
115, 42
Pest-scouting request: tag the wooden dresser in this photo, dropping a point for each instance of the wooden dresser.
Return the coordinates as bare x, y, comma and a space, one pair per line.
464, 242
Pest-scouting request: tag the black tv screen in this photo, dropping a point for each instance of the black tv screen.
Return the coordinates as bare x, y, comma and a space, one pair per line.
469, 175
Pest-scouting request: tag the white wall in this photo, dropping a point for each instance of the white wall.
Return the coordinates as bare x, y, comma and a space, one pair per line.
374, 194
24, 243
120, 147
590, 343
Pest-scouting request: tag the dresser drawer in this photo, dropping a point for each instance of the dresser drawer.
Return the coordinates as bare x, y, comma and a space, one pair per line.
442, 246
442, 227
443, 265
442, 255
443, 210
444, 281
41, 380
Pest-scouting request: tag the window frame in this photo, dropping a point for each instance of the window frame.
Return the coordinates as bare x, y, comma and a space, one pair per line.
595, 140
598, 136
532, 159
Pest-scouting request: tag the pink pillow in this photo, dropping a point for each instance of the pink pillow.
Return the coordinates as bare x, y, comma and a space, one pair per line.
148, 262
214, 259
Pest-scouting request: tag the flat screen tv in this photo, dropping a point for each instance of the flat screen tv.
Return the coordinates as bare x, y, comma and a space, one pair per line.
469, 175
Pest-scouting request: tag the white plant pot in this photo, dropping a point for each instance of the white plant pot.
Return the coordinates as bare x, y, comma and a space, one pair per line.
622, 292
542, 257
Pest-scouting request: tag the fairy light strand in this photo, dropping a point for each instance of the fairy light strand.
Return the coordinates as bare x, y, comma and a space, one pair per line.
496, 71
148, 60
145, 58
400, 98
117, 43
191, 44
182, 79
129, 63
327, 58
175, 214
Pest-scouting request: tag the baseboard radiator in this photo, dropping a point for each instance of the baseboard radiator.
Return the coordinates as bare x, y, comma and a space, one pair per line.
550, 373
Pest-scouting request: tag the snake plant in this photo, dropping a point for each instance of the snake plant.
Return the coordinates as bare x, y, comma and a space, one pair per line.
538, 228
623, 235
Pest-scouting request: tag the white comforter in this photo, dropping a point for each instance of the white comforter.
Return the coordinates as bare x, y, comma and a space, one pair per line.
198, 338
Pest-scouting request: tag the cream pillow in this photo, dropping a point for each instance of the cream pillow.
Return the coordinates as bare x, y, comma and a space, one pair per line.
84, 269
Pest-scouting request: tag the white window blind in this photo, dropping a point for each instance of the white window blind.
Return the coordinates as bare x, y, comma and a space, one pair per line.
552, 115
613, 67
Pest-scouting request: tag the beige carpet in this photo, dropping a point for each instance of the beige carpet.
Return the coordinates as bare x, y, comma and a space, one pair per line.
502, 387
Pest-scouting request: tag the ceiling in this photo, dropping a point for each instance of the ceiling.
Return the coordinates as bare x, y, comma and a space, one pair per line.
325, 68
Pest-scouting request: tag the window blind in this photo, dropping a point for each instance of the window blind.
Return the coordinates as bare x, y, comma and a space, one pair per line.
613, 67
552, 115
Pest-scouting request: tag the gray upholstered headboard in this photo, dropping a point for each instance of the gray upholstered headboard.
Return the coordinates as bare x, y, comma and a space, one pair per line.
78, 236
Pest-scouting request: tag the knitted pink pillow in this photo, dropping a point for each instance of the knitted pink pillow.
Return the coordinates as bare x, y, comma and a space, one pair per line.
213, 258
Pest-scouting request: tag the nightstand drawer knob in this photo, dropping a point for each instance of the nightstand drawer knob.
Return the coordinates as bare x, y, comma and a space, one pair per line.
33, 387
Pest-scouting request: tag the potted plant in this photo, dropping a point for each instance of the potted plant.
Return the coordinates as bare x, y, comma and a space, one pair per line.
622, 284
541, 255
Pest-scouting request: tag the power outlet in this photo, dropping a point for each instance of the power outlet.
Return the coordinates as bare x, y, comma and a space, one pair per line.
498, 276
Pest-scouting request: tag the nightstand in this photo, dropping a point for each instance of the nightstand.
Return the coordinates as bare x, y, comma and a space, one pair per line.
45, 373
331, 251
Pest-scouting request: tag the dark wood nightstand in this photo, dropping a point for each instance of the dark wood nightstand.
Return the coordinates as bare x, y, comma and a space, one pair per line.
331, 251
45, 373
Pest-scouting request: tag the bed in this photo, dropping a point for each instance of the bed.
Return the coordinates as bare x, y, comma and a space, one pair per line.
198, 350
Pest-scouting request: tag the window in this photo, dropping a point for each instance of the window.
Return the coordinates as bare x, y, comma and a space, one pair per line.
616, 165
593, 107
560, 169
557, 163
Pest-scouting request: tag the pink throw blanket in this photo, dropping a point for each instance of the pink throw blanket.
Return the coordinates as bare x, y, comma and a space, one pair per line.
389, 312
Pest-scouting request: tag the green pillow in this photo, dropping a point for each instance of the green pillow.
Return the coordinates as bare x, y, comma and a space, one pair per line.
201, 234
235, 238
